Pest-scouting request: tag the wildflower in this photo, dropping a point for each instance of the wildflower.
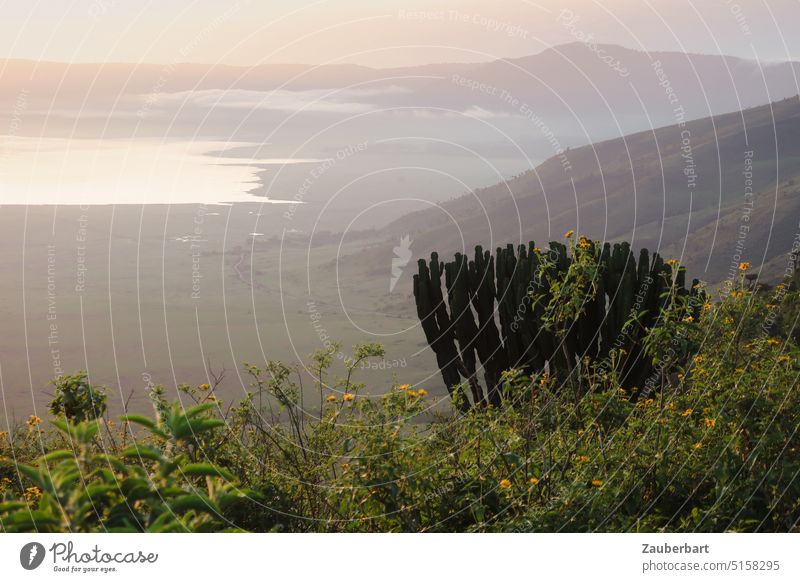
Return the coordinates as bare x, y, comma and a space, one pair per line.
672, 262
710, 422
3, 434
505, 484
688, 319
537, 250
772, 342
698, 445
422, 393
204, 387
583, 458
404, 386
33, 420
699, 359
32, 493
744, 266
687, 412
331, 398
597, 483
348, 397
707, 306
569, 234
533, 481
584, 242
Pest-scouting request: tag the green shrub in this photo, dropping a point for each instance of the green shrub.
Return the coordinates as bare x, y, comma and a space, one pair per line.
708, 442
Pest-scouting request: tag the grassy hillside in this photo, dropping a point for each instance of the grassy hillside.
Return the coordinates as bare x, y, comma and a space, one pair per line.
713, 448
637, 188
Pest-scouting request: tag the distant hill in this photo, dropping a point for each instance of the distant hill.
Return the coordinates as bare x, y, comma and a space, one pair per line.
572, 87
682, 190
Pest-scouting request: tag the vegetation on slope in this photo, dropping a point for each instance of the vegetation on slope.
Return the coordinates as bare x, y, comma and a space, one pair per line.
712, 446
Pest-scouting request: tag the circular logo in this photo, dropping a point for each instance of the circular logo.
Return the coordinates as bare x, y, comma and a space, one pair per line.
31, 555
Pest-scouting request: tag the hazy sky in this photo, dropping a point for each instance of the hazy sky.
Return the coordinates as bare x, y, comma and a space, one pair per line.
383, 32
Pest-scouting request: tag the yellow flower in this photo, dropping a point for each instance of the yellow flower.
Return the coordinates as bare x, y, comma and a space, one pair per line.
744, 266
533, 481
707, 306
505, 484
583, 458
688, 319
773, 342
537, 250
710, 422
422, 393
204, 387
569, 234
33, 420
597, 483
331, 398
687, 412
698, 445
404, 386
672, 262
3, 434
32, 493
348, 397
